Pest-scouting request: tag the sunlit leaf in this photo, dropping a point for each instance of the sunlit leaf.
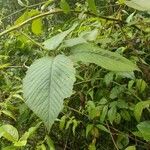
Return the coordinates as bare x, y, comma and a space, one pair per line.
139, 108
131, 148
50, 143
37, 26
9, 132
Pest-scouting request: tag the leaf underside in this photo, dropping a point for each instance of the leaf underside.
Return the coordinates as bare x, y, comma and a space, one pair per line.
47, 83
89, 53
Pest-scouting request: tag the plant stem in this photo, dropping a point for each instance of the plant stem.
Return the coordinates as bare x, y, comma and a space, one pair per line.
32, 40
56, 11
112, 137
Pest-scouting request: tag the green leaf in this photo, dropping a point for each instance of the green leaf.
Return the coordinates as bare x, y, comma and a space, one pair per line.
48, 81
138, 109
106, 59
130, 17
144, 128
103, 128
62, 122
73, 42
138, 134
37, 26
20, 143
141, 85
64, 6
116, 90
104, 113
27, 134
112, 114
2, 66
55, 41
75, 124
9, 132
9, 148
108, 78
23, 4
41, 147
26, 15
117, 118
50, 143
122, 141
46, 4
90, 35
143, 5
92, 145
89, 127
125, 115
122, 104
131, 148
92, 6
69, 123
8, 113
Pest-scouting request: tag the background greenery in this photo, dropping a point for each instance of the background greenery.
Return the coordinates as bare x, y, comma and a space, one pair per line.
108, 109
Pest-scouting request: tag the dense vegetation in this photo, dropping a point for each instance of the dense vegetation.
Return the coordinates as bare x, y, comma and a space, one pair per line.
75, 75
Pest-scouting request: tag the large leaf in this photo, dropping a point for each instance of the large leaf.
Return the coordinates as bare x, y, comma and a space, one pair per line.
55, 41
104, 58
139, 109
47, 83
143, 5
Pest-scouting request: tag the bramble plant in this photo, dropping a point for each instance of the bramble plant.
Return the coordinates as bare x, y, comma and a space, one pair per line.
75, 75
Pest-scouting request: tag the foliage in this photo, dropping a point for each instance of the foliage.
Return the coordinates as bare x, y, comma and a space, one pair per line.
74, 75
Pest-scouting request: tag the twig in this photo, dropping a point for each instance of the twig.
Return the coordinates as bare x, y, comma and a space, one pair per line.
30, 6
32, 40
29, 20
112, 137
56, 11
76, 111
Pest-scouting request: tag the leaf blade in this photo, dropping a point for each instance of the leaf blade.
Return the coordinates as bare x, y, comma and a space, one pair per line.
47, 83
55, 41
89, 53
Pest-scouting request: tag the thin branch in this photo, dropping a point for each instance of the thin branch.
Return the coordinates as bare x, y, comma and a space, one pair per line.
112, 137
32, 40
56, 11
29, 20
20, 10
